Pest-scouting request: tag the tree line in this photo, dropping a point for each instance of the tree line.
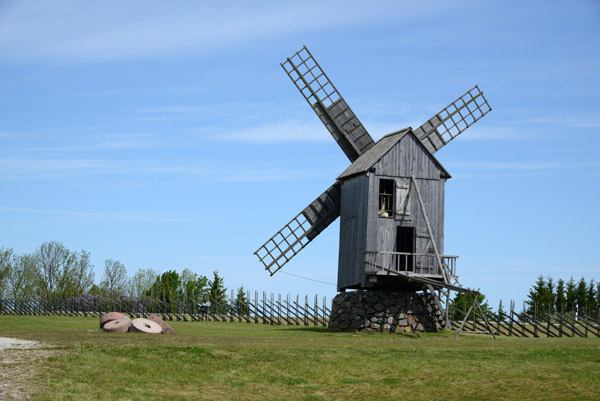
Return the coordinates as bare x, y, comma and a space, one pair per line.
557, 296
52, 270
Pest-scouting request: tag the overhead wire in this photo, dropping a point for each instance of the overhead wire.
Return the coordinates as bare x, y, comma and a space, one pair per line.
308, 278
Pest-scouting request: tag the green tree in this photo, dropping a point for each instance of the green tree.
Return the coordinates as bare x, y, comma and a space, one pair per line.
96, 290
581, 296
193, 287
166, 286
82, 273
571, 295
114, 282
142, 281
598, 294
591, 297
538, 296
55, 263
6, 265
24, 277
550, 295
241, 301
217, 293
463, 301
561, 299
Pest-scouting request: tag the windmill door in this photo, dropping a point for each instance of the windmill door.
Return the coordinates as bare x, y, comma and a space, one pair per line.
405, 246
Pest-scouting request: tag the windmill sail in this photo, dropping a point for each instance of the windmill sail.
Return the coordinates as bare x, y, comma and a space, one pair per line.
302, 229
329, 105
454, 119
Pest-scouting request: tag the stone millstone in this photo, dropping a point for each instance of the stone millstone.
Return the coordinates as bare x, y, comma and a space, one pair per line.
110, 316
118, 326
166, 329
141, 325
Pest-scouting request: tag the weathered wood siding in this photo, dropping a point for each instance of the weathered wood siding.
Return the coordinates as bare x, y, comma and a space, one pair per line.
409, 157
362, 230
353, 231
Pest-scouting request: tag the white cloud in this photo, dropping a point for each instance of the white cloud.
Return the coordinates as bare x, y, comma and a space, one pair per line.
71, 30
281, 132
516, 169
104, 215
57, 169
573, 121
521, 165
98, 143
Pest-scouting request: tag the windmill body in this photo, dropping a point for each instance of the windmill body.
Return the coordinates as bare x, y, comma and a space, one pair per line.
382, 224
390, 199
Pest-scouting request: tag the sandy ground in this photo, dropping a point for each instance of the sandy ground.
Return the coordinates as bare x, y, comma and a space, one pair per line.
19, 360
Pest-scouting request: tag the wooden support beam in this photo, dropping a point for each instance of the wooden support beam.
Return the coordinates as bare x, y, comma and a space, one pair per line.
435, 249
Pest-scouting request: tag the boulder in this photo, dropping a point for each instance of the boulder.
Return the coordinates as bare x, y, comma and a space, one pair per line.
141, 325
110, 316
166, 329
118, 326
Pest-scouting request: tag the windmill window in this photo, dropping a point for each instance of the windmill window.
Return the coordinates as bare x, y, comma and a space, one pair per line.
386, 199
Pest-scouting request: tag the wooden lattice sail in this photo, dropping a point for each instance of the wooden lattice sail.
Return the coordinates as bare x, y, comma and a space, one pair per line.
327, 102
453, 120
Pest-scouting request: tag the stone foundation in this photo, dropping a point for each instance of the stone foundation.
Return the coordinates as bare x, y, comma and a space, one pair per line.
382, 310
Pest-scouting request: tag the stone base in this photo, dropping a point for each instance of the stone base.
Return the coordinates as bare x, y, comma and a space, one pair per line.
382, 310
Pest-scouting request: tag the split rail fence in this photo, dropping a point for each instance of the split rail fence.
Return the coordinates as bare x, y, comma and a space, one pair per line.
306, 311
534, 323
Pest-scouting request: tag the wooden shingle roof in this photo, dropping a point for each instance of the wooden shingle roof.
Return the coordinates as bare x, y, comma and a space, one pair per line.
373, 155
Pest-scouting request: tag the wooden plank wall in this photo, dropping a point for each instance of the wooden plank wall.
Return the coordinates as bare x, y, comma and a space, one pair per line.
407, 158
353, 231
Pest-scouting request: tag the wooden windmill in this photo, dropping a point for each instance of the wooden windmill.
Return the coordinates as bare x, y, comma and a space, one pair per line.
390, 199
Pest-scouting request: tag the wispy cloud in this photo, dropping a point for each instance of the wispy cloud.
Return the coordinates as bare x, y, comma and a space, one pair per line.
70, 30
105, 215
522, 165
573, 121
279, 132
97, 143
57, 169
516, 169
501, 133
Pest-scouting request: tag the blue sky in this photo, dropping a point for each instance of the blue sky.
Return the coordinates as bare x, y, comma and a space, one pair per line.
166, 135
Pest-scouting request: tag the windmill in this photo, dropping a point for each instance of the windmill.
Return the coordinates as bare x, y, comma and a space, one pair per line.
390, 199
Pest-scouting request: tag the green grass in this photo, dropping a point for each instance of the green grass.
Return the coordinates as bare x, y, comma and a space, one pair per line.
240, 361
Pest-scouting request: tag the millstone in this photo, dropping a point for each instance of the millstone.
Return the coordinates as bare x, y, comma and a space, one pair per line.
110, 316
118, 326
166, 329
141, 325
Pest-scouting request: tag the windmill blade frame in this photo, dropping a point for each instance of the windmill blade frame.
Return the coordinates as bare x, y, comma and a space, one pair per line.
301, 230
453, 120
328, 104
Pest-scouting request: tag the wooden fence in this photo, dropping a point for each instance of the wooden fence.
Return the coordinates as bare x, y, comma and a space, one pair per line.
306, 311
263, 309
535, 323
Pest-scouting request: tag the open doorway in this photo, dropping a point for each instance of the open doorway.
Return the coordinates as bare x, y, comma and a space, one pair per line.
405, 243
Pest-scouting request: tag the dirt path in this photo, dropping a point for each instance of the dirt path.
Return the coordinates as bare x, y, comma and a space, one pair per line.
19, 361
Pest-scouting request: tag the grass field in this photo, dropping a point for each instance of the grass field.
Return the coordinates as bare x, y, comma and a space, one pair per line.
238, 361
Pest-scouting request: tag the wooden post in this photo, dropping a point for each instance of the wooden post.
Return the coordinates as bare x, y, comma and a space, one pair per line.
256, 308
535, 314
305, 310
431, 236
462, 324
510, 322
560, 322
498, 318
